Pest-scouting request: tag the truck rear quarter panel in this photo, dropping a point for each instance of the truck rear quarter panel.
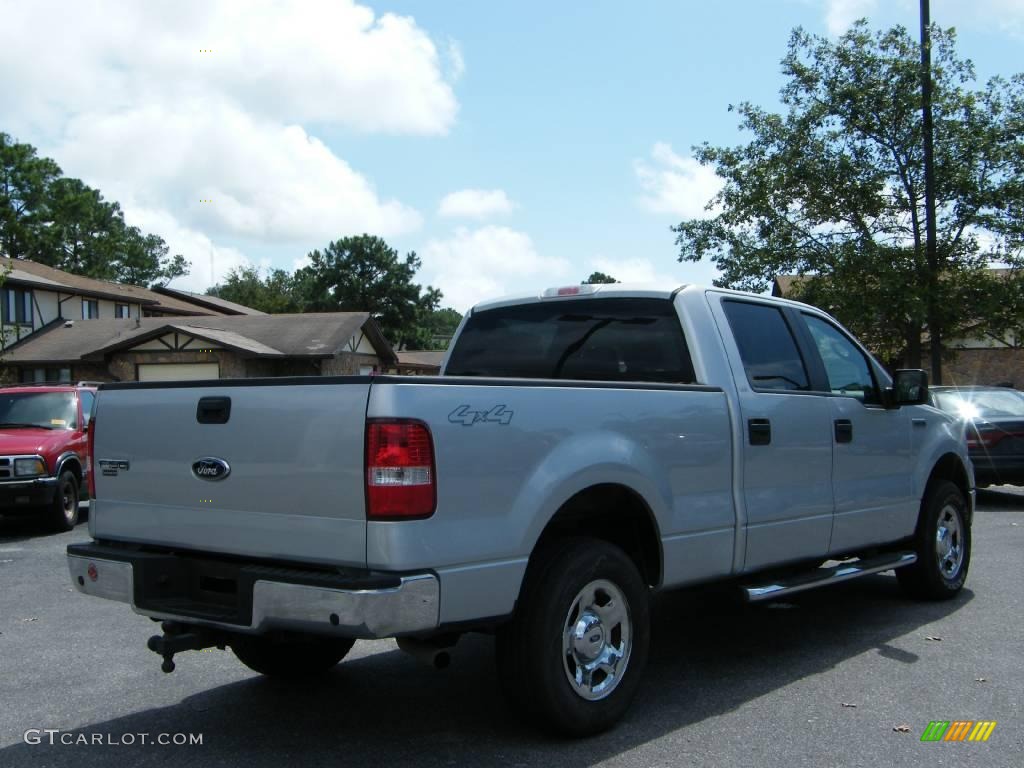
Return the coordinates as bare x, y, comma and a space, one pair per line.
509, 455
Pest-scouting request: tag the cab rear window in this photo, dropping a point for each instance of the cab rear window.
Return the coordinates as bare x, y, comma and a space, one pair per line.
593, 339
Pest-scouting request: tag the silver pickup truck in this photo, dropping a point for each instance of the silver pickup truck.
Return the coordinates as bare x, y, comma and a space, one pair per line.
582, 449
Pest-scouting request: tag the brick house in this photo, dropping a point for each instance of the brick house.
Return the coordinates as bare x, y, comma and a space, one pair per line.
204, 347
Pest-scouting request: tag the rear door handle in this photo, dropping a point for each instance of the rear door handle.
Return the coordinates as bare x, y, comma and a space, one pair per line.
844, 431
759, 431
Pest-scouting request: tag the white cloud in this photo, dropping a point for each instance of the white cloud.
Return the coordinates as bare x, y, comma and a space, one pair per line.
264, 181
667, 274
477, 264
1009, 15
475, 203
675, 184
840, 14
454, 61
210, 262
634, 270
126, 97
329, 61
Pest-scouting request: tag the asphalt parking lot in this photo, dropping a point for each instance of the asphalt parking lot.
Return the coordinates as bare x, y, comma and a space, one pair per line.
825, 679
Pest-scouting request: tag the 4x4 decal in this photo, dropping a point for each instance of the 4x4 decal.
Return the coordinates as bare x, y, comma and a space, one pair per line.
463, 415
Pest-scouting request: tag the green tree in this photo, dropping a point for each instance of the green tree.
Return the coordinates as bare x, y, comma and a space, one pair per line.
598, 278
442, 324
24, 181
832, 189
62, 222
273, 293
364, 274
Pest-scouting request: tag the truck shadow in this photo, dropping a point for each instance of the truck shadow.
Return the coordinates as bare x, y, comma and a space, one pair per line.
14, 528
708, 657
998, 499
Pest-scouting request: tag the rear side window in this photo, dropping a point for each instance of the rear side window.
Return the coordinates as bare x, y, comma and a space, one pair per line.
593, 339
768, 350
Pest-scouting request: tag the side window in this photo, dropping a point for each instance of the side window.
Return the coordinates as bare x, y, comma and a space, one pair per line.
848, 371
767, 347
87, 401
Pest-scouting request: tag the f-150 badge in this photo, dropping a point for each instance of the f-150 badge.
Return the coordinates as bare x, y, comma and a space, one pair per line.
111, 467
467, 417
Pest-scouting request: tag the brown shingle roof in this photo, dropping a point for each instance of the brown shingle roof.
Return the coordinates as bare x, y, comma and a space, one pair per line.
212, 302
25, 272
314, 335
430, 358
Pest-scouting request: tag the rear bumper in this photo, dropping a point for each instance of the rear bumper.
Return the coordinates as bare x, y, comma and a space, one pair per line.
25, 494
256, 599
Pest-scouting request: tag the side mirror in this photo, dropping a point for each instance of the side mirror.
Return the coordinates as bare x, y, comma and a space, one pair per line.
909, 387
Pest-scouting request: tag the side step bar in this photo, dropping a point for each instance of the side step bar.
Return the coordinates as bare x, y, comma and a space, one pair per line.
821, 577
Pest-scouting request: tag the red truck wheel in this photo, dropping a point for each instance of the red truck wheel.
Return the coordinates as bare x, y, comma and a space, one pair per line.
64, 507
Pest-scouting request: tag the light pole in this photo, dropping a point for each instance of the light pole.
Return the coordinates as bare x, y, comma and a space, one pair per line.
929, 195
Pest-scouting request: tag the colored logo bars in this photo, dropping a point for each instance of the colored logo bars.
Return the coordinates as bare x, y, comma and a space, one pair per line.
958, 730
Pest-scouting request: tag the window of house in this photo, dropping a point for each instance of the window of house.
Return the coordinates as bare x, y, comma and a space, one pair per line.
17, 307
122, 310
90, 309
768, 350
46, 375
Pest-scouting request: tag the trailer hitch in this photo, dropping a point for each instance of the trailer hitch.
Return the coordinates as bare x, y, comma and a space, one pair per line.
177, 638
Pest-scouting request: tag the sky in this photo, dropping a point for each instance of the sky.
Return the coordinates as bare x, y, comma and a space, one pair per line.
513, 146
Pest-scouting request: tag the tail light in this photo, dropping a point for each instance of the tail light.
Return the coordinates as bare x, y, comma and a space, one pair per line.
982, 435
90, 461
401, 482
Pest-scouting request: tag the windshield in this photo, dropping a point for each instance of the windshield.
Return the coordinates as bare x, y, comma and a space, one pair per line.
49, 410
983, 404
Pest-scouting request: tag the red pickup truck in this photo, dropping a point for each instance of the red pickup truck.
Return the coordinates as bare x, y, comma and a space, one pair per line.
44, 451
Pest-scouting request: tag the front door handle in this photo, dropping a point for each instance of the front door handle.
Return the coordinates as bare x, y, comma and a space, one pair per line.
760, 431
844, 431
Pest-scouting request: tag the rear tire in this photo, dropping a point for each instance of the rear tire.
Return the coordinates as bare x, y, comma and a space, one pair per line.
572, 658
942, 543
63, 511
290, 658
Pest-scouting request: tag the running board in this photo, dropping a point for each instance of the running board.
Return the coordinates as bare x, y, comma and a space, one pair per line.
821, 577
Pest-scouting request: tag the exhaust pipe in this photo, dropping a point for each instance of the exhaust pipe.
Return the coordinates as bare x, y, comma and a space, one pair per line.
430, 652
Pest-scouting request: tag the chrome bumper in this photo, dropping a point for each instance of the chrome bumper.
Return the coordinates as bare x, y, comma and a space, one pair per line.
409, 608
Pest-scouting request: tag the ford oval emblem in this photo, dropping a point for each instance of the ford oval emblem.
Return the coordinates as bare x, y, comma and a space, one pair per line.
211, 468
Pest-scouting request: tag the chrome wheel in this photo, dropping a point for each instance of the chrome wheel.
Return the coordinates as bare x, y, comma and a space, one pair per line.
949, 542
596, 640
68, 502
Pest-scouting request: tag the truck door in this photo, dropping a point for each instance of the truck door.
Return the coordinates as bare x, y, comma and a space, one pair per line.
786, 453
871, 462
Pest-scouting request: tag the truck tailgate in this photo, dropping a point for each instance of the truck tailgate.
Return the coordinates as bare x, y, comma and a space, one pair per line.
294, 489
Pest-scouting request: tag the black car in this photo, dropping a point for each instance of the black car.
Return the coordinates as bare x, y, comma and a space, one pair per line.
994, 427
